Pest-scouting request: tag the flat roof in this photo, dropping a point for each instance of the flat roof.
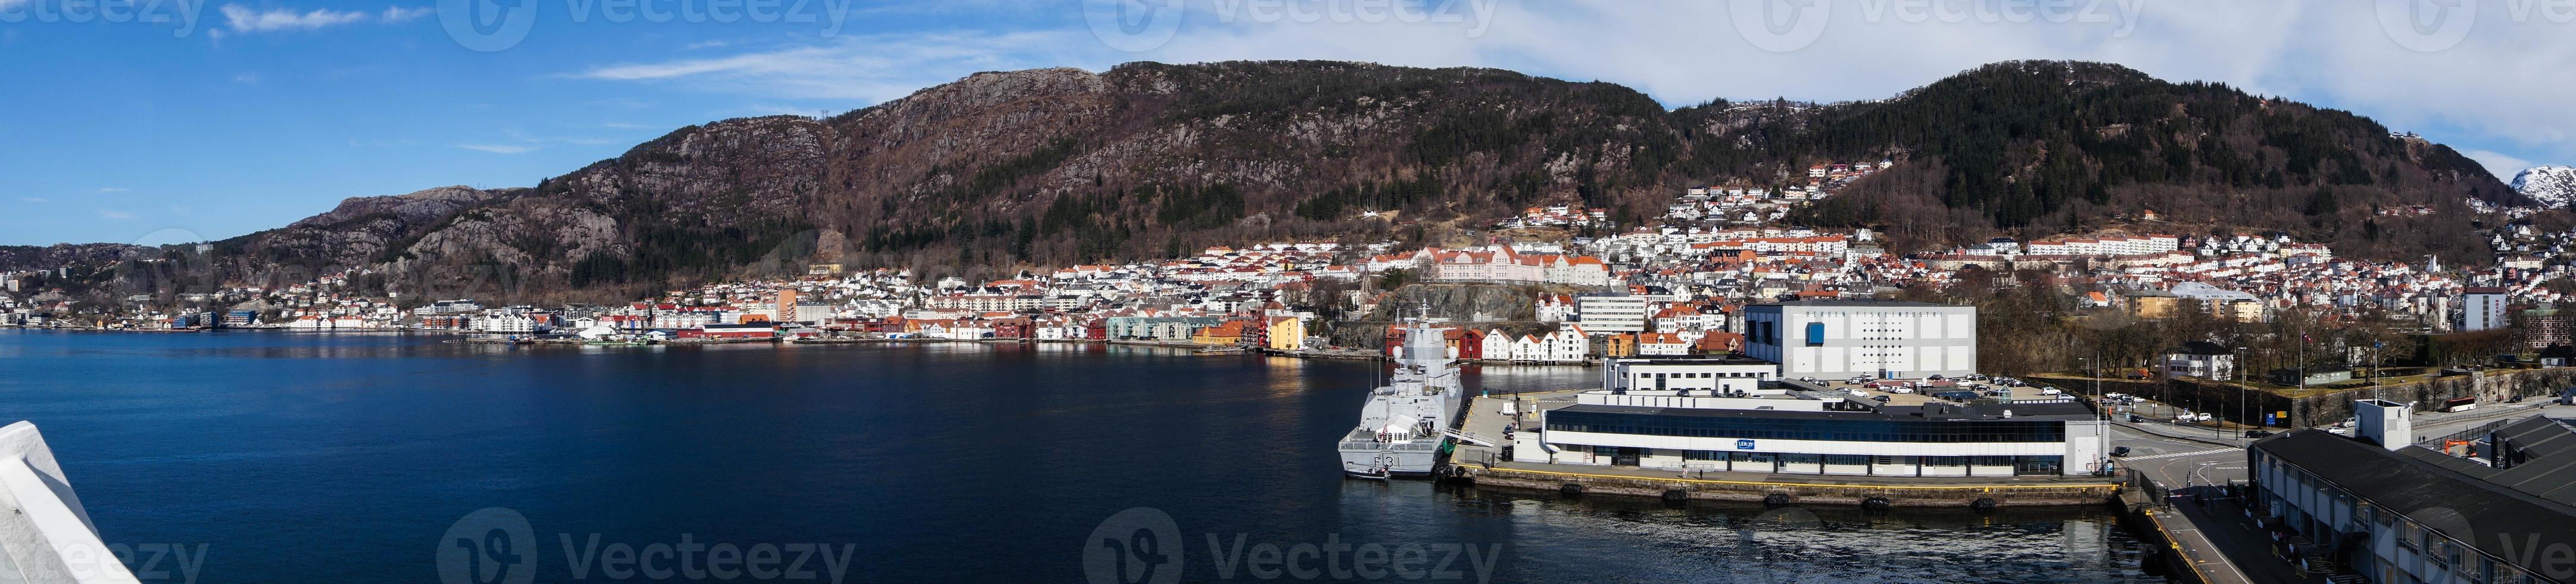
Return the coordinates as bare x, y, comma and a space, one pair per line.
2441, 494
1727, 360
2060, 411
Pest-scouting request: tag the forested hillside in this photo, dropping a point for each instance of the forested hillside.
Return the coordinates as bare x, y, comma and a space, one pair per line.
1061, 166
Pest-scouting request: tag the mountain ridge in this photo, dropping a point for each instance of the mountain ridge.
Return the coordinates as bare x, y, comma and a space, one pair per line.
2550, 186
1059, 166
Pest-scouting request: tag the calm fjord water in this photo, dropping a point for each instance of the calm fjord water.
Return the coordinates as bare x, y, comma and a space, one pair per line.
347, 457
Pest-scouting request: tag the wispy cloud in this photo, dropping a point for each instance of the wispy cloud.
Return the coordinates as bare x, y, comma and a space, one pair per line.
2498, 164
115, 214
868, 68
401, 14
499, 148
244, 19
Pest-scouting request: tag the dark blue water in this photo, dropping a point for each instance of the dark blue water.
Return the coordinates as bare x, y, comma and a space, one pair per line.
346, 458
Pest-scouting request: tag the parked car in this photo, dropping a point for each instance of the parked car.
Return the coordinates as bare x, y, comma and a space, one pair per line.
1880, 398
2258, 433
2051, 391
1900, 389
2137, 419
2119, 451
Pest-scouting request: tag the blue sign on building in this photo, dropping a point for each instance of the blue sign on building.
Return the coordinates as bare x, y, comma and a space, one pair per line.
1744, 445
2267, 419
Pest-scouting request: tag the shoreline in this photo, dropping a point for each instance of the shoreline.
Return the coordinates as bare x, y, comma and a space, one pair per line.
484, 338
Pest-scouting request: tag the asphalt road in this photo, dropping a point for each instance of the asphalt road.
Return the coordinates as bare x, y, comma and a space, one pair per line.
2176, 462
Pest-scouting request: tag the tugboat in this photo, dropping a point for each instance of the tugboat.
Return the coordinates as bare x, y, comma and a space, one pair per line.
1403, 424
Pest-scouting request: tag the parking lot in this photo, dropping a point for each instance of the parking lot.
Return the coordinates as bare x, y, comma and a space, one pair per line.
1919, 392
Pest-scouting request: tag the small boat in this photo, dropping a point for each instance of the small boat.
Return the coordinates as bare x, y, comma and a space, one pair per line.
1377, 474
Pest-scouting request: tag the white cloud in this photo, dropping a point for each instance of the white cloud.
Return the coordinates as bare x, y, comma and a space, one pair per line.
862, 68
499, 148
115, 214
244, 19
401, 14
2502, 166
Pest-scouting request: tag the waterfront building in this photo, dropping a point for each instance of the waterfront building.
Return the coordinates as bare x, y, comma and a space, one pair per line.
1836, 339
2392, 512
1285, 333
1779, 431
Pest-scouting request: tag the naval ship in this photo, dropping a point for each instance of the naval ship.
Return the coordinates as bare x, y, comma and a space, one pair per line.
1403, 423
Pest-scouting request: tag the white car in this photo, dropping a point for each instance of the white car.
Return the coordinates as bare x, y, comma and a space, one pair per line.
1900, 389
2051, 391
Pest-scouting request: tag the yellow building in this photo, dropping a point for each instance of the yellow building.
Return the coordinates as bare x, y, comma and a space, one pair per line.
2152, 306
1287, 334
2239, 310
1223, 334
1618, 345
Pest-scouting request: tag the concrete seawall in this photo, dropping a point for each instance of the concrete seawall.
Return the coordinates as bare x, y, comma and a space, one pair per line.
1770, 488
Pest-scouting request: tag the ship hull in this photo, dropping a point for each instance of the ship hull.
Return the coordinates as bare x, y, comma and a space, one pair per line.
1411, 458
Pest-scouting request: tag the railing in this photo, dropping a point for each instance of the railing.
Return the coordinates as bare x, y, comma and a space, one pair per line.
2478, 433
2157, 492
1407, 446
47, 538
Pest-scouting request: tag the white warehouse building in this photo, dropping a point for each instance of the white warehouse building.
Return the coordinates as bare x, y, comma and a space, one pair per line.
1711, 377
1806, 433
1834, 339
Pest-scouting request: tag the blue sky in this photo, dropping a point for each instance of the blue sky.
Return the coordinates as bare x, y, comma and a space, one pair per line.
264, 111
